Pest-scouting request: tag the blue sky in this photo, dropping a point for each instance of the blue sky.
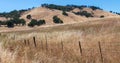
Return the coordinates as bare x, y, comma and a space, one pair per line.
9, 5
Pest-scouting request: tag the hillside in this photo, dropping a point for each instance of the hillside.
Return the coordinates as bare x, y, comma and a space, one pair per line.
96, 13
104, 21
48, 13
45, 14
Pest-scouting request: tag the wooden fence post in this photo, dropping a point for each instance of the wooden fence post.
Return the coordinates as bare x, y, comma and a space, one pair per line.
80, 47
100, 50
25, 41
46, 43
34, 41
62, 46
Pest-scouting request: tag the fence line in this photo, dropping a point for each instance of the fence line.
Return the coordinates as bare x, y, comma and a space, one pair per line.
62, 46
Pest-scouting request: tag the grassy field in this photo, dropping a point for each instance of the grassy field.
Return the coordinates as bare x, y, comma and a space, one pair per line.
60, 44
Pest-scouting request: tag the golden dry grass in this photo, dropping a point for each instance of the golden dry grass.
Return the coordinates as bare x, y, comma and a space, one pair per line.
13, 48
3, 19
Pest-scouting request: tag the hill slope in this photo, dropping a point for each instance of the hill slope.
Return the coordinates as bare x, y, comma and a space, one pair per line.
96, 13
109, 21
47, 14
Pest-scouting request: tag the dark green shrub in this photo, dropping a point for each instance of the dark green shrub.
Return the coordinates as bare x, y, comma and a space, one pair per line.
83, 13
102, 16
64, 13
95, 8
32, 23
57, 20
0, 23
10, 24
40, 22
23, 22
16, 21
29, 17
3, 23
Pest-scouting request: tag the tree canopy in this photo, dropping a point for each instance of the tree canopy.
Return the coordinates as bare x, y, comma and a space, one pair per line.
14, 13
83, 13
34, 22
57, 20
68, 7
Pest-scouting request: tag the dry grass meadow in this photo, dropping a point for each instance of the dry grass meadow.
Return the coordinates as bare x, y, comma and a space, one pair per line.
87, 42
